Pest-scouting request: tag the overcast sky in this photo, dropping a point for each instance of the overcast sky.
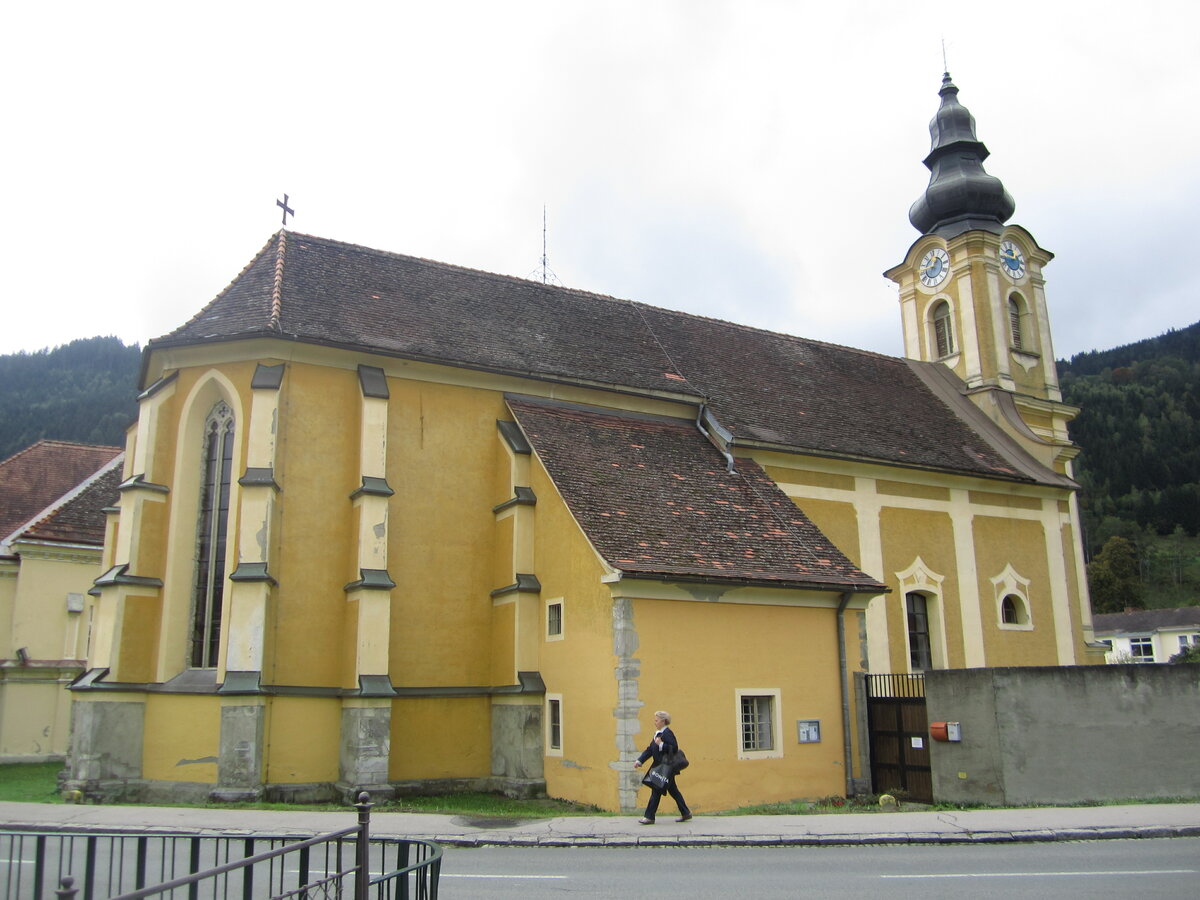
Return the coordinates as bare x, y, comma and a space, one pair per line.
751, 161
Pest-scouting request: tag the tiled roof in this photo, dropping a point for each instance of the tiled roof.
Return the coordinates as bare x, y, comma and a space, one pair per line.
656, 500
1147, 620
37, 477
765, 387
81, 519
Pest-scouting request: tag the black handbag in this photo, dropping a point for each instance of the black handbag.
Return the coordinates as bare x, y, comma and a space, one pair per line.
679, 762
658, 777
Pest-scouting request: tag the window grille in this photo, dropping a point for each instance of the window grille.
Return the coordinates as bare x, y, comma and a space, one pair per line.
757, 718
554, 619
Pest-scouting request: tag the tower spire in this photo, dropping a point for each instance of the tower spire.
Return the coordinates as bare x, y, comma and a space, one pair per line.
960, 196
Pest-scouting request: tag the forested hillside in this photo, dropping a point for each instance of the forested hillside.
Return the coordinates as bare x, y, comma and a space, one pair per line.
82, 391
1139, 434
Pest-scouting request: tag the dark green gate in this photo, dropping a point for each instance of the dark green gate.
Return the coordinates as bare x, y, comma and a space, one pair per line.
899, 736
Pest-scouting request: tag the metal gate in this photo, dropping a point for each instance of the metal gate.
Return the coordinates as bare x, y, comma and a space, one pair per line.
899, 736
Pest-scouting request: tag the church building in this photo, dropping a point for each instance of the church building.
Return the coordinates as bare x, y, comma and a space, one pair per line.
397, 525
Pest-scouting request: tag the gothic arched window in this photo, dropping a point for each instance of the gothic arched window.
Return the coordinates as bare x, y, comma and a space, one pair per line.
211, 534
943, 334
1014, 322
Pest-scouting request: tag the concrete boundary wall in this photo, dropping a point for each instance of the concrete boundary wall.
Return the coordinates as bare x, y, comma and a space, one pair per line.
1068, 734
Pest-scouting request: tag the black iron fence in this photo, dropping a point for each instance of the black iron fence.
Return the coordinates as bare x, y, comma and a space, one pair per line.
115, 865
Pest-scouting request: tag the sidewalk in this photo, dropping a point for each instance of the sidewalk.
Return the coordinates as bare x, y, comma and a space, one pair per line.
921, 827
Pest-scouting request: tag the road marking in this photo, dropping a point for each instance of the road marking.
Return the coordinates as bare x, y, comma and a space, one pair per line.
1050, 874
448, 875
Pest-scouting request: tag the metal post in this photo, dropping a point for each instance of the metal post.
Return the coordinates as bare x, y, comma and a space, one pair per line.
66, 890
39, 866
362, 853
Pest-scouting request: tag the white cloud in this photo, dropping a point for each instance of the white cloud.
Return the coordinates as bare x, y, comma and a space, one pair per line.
752, 161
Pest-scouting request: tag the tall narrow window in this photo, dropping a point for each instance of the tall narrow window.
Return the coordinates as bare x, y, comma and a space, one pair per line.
554, 726
943, 335
211, 533
1014, 322
919, 657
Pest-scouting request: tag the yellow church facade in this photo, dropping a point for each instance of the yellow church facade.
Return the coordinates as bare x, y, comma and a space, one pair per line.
395, 525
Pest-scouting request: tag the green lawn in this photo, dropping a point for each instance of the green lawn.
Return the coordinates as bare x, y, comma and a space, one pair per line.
37, 783
30, 782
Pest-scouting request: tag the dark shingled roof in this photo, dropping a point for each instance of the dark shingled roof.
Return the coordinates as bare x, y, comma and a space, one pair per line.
81, 519
769, 388
1147, 620
656, 500
39, 476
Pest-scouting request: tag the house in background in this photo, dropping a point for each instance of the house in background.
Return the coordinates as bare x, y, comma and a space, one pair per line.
53, 497
397, 525
1148, 635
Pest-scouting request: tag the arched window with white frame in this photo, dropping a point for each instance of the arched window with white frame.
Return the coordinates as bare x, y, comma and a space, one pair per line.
943, 330
1013, 609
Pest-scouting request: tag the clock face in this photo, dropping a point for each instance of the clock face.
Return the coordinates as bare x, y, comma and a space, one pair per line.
935, 266
1012, 260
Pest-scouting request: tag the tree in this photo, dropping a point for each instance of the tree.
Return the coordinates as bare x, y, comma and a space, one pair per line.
1190, 655
1113, 577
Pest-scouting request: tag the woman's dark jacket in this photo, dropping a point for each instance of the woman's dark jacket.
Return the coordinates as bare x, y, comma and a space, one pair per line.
669, 746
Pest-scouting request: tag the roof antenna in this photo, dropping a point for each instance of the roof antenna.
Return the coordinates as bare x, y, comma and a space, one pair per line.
544, 272
945, 65
287, 210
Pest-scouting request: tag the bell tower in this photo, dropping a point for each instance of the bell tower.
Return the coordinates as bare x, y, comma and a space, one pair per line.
972, 293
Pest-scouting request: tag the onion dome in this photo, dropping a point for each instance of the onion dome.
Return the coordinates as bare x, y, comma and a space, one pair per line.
960, 196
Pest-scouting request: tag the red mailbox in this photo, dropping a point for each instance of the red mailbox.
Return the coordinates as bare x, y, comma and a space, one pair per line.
945, 731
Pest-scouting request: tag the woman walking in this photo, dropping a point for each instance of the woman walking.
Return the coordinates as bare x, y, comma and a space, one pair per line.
662, 746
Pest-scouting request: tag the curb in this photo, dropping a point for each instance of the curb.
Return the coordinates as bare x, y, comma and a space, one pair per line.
813, 840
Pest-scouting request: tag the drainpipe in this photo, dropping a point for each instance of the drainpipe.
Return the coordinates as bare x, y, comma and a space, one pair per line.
847, 749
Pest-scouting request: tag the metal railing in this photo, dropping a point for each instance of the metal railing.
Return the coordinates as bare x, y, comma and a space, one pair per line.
897, 686
116, 865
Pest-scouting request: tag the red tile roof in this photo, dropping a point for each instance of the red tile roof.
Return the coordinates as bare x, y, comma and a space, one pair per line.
656, 500
39, 476
767, 388
81, 519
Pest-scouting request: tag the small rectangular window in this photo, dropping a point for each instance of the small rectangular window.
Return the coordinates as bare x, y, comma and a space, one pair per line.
759, 723
554, 620
756, 723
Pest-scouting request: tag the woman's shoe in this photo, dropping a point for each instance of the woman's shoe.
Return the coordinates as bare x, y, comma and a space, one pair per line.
644, 821
684, 818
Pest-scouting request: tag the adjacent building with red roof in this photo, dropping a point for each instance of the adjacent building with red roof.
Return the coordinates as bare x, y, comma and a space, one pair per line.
53, 497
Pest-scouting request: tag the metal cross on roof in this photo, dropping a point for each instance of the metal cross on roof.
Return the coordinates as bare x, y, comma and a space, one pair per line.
287, 210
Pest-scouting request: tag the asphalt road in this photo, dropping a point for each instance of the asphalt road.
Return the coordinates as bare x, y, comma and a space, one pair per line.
1166, 867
